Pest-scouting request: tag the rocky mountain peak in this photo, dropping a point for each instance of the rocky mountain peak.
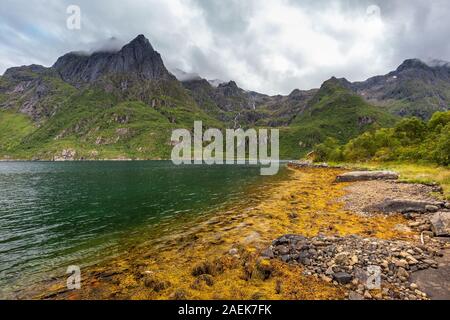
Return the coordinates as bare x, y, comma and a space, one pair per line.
229, 89
24, 73
334, 83
135, 59
412, 64
140, 42
295, 92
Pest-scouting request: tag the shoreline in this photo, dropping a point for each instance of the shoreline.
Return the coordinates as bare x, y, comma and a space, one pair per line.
222, 257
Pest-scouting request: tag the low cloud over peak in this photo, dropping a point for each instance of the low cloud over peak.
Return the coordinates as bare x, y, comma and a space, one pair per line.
271, 46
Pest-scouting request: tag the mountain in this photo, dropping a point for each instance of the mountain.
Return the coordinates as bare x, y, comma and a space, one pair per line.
215, 82
240, 108
125, 104
121, 104
333, 111
416, 88
137, 58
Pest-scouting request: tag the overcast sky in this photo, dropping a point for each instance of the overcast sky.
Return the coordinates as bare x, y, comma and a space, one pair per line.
271, 46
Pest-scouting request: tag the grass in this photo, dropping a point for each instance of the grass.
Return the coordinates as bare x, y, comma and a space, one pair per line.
87, 121
97, 125
13, 128
333, 112
412, 172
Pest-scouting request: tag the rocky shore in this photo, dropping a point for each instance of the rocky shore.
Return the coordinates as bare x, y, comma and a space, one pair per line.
372, 268
349, 261
334, 247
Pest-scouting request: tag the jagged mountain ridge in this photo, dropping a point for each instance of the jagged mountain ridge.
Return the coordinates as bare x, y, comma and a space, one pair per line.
125, 103
137, 57
415, 88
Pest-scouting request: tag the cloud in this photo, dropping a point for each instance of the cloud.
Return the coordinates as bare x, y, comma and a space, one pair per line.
271, 46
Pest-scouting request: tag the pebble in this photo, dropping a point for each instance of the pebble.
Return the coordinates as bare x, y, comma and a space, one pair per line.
367, 295
345, 261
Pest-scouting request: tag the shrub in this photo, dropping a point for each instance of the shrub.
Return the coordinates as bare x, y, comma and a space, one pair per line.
411, 139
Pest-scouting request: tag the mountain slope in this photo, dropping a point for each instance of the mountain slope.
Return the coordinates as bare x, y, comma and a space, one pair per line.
125, 104
240, 108
336, 112
414, 89
90, 107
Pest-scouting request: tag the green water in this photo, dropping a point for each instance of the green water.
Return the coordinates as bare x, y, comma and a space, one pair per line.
56, 214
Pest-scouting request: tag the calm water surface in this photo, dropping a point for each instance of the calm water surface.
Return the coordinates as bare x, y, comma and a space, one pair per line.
54, 214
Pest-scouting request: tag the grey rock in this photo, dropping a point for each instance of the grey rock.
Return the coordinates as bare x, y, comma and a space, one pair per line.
342, 277
431, 208
440, 224
24, 73
403, 206
282, 249
288, 238
367, 175
137, 57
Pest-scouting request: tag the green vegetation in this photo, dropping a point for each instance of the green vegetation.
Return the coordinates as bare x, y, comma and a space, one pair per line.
334, 113
419, 101
104, 122
100, 125
13, 128
410, 140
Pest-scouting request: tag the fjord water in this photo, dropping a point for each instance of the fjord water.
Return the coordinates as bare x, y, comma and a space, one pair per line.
56, 214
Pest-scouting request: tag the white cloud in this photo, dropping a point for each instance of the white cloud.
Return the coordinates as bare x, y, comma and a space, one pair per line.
271, 46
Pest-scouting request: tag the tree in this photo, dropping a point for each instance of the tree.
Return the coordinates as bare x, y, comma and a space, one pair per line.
410, 130
442, 152
439, 120
328, 150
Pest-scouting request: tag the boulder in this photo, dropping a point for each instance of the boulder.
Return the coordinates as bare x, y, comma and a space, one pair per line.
66, 154
440, 224
366, 176
403, 206
431, 208
342, 277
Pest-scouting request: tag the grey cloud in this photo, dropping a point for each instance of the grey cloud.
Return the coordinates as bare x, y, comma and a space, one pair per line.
231, 39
